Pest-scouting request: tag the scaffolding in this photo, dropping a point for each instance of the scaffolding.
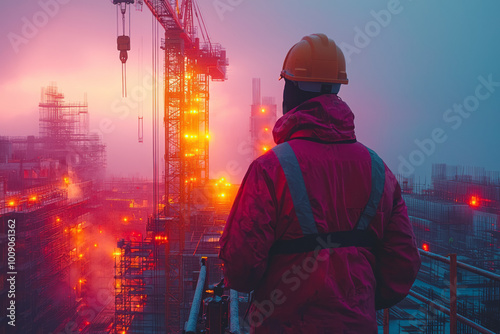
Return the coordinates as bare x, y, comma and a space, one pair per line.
64, 130
459, 212
46, 254
140, 277
448, 297
134, 286
49, 188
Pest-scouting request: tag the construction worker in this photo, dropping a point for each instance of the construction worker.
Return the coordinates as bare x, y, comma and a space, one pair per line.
319, 229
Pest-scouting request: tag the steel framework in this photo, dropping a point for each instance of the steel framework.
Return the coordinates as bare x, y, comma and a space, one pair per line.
189, 64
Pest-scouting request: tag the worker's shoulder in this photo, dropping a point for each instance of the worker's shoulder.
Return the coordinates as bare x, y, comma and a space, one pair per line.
268, 159
388, 172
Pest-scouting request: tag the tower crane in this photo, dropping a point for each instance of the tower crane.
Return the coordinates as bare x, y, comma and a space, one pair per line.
189, 64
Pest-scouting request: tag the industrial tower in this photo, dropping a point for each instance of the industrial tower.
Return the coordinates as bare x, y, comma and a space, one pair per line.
189, 63
262, 119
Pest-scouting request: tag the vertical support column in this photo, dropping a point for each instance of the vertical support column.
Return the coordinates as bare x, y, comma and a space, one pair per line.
453, 293
175, 190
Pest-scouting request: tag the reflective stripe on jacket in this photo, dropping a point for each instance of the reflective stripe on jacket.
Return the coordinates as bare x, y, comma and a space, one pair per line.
326, 290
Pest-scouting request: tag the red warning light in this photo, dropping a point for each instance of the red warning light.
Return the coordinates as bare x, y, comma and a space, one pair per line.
474, 201
425, 247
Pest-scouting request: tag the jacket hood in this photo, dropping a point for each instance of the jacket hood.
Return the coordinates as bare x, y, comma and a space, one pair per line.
326, 118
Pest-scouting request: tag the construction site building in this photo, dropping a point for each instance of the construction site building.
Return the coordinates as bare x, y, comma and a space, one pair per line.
458, 213
48, 192
140, 279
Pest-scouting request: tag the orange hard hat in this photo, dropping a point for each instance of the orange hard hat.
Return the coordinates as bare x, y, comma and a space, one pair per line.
316, 58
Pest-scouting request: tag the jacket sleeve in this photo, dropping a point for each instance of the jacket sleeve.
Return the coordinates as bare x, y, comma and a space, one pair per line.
398, 259
249, 231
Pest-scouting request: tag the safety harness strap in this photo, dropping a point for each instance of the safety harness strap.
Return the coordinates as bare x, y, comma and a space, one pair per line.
297, 187
315, 242
360, 236
378, 182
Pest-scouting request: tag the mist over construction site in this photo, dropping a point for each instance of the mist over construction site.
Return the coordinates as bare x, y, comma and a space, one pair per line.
127, 128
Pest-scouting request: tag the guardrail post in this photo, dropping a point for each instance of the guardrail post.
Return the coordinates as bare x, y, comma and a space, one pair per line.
192, 322
386, 321
234, 320
453, 293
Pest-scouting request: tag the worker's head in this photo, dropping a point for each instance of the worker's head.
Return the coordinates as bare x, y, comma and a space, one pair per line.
313, 67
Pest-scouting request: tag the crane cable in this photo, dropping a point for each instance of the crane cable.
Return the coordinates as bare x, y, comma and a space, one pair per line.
123, 43
203, 27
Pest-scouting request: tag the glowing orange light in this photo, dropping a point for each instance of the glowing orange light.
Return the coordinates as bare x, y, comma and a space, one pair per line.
425, 247
125, 219
33, 198
262, 110
80, 256
117, 253
474, 201
264, 148
100, 231
58, 219
12, 203
66, 230
66, 180
95, 245
266, 129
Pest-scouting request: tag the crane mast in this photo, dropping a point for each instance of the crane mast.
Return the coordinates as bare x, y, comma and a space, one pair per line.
189, 64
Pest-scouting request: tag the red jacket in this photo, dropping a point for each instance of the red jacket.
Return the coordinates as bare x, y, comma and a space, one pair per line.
330, 290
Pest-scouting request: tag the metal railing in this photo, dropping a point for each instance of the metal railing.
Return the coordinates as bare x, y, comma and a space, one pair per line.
197, 300
452, 310
197, 316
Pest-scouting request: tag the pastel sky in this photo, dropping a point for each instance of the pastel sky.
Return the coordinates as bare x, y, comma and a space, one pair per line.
424, 75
